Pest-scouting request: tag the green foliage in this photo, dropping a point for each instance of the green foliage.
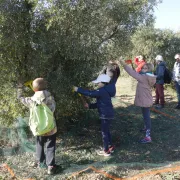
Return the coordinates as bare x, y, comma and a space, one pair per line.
67, 42
150, 42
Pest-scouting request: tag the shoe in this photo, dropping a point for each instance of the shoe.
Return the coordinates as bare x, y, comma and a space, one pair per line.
146, 140
155, 104
39, 165
42, 165
159, 106
177, 107
53, 169
111, 149
104, 153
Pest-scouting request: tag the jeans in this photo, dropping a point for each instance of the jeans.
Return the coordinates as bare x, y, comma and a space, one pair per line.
48, 144
106, 136
146, 117
177, 86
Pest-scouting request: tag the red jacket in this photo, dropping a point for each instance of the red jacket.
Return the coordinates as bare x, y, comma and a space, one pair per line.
139, 64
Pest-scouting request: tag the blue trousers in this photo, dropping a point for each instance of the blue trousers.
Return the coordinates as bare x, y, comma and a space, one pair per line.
177, 86
146, 117
106, 136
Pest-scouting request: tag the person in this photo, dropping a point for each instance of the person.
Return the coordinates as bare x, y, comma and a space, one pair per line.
143, 97
45, 142
160, 69
176, 77
139, 61
105, 108
112, 70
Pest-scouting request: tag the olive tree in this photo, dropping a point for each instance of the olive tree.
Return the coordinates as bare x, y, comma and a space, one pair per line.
67, 42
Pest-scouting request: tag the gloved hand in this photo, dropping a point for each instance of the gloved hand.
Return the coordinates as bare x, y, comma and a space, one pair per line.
86, 105
75, 89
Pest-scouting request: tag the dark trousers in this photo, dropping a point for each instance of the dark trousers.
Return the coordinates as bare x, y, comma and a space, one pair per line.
106, 136
177, 86
45, 149
146, 117
159, 94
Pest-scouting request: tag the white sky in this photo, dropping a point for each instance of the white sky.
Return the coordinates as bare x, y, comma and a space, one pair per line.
168, 15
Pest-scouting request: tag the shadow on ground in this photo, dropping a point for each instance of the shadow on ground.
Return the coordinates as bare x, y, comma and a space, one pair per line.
76, 149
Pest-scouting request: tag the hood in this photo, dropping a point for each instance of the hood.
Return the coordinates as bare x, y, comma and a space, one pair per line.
151, 79
111, 89
40, 96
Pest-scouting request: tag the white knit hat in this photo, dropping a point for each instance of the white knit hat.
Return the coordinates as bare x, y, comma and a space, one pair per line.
159, 58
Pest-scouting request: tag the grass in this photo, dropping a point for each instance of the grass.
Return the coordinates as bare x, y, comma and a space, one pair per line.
76, 149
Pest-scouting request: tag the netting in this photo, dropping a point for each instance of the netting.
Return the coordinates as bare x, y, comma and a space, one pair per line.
16, 139
76, 148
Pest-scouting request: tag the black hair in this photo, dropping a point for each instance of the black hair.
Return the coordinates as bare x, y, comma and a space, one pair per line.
105, 83
114, 69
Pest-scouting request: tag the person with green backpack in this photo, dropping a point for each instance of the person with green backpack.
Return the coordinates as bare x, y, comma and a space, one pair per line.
42, 123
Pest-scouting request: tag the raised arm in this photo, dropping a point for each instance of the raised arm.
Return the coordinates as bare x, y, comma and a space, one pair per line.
130, 71
25, 100
94, 93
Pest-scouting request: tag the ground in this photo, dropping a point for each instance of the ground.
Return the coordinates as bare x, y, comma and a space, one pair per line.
76, 149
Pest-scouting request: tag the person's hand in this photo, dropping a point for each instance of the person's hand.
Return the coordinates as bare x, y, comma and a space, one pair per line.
19, 85
120, 58
75, 88
129, 61
86, 105
122, 61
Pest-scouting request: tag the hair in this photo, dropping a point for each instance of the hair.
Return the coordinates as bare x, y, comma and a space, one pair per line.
150, 67
143, 57
114, 69
105, 83
39, 84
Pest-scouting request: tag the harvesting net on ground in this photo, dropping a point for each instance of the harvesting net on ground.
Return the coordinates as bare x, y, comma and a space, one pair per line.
76, 148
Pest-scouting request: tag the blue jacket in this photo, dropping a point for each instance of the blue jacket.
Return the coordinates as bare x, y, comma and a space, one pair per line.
103, 96
160, 73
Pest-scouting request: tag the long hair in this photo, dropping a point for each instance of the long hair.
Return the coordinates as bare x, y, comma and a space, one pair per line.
112, 69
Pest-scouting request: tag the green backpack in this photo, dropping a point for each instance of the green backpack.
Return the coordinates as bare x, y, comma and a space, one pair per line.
41, 119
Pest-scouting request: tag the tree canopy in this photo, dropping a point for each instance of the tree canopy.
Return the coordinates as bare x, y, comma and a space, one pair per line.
150, 42
67, 42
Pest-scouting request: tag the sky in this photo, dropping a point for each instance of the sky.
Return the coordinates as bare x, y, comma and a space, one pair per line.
168, 15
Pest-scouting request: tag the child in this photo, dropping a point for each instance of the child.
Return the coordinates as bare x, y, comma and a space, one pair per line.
112, 70
139, 62
160, 69
104, 105
47, 140
143, 98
